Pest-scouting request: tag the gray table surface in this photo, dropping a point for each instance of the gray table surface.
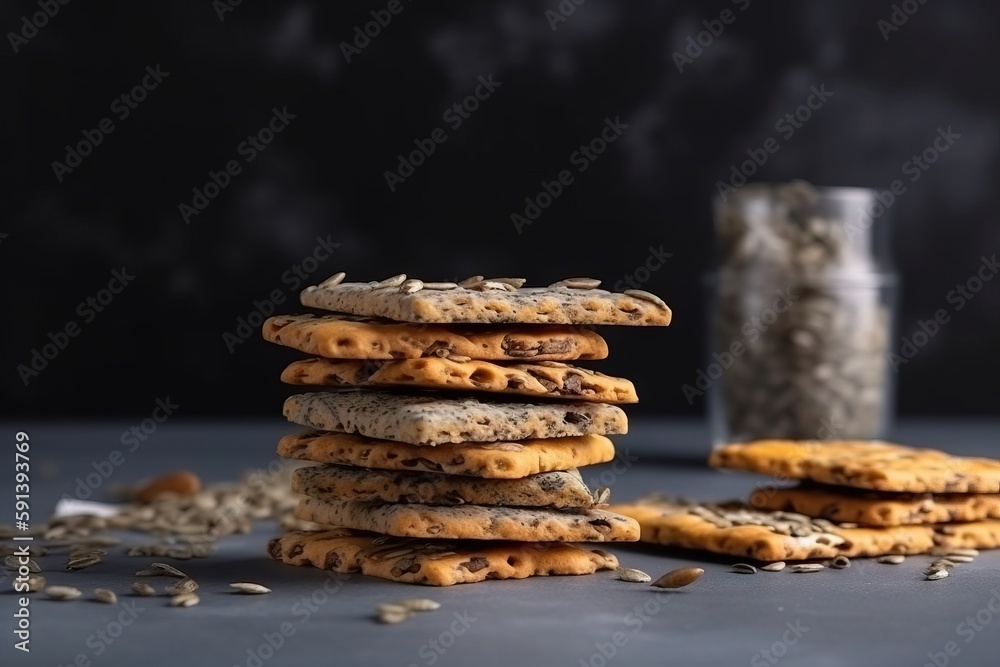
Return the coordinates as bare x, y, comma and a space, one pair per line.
870, 614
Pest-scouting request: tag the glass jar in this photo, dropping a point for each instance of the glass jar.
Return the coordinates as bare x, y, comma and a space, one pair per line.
803, 304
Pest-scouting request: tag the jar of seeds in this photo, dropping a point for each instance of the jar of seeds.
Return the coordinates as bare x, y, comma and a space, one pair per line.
802, 311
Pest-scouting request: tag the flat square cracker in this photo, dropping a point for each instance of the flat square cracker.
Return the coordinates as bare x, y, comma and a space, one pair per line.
548, 379
343, 336
739, 530
436, 563
879, 466
495, 460
472, 522
429, 420
547, 489
526, 305
878, 508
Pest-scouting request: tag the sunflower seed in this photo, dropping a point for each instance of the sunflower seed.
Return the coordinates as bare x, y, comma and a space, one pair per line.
892, 559
602, 496
411, 286
14, 563
492, 285
36, 582
805, 568
143, 589
633, 575
744, 568
972, 553
774, 567
63, 592
440, 286
840, 563
471, 280
334, 280
81, 562
513, 282
393, 613
379, 541
250, 588
578, 283
419, 604
679, 578
394, 281
645, 296
185, 600
458, 358
180, 586
105, 595
937, 574
168, 570
959, 558
943, 563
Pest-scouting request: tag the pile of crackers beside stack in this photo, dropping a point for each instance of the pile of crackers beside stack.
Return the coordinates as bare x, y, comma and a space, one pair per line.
854, 498
450, 428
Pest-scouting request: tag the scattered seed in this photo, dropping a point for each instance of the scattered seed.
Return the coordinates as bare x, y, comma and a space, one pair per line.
187, 585
185, 600
892, 559
471, 280
840, 563
937, 574
411, 286
645, 296
393, 613
105, 595
334, 280
513, 282
632, 575
805, 568
602, 496
394, 281
493, 285
14, 563
578, 283
971, 553
84, 561
458, 358
774, 567
63, 592
149, 572
959, 558
420, 604
440, 286
143, 589
744, 568
941, 563
168, 570
250, 588
679, 578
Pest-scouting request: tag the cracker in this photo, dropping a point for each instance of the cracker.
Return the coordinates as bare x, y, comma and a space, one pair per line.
547, 379
495, 460
350, 337
870, 508
548, 489
438, 563
738, 530
428, 420
533, 305
878, 466
472, 522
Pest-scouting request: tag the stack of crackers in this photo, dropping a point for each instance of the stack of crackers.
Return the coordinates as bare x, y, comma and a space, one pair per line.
854, 498
451, 428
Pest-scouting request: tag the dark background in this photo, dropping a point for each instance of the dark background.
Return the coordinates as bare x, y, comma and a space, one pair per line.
323, 175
